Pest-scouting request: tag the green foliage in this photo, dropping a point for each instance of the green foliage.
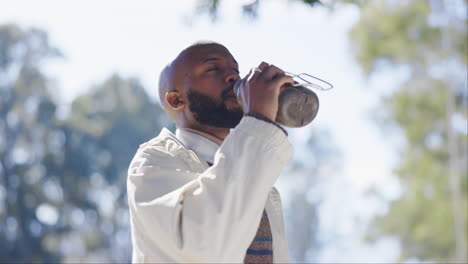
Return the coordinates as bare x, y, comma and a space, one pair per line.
423, 218
63, 182
250, 10
29, 48
400, 34
389, 32
26, 128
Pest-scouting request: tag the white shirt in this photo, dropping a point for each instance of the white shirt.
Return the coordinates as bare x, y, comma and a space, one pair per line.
182, 210
202, 146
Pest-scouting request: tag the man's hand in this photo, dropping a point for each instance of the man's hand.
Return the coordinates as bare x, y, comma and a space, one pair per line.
261, 88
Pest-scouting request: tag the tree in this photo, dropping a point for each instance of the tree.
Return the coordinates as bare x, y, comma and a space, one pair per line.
250, 10
26, 133
409, 34
63, 182
105, 128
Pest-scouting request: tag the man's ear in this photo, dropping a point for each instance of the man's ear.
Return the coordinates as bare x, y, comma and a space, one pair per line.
174, 100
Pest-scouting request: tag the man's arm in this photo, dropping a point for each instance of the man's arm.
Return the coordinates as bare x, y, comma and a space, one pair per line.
213, 217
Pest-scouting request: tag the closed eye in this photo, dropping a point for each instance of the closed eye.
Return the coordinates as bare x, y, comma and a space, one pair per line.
218, 68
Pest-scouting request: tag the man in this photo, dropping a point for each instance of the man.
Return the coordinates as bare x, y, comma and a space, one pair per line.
206, 193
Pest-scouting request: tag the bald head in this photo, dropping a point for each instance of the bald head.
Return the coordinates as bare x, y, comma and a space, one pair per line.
173, 77
167, 76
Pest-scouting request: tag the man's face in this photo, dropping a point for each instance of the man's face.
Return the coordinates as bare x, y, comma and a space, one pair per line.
210, 73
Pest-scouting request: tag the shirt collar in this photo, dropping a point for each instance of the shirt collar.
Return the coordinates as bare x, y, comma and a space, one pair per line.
203, 144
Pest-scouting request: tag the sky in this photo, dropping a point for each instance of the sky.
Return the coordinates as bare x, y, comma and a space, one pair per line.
138, 38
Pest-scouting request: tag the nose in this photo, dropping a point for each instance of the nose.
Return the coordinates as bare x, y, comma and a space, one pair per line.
232, 78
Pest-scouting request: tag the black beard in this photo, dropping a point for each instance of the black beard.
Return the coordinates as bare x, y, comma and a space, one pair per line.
207, 112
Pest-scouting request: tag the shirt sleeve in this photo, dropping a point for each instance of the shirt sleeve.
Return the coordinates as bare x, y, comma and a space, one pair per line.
266, 119
214, 215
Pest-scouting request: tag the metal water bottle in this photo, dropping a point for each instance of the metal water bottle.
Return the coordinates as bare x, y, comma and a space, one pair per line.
297, 105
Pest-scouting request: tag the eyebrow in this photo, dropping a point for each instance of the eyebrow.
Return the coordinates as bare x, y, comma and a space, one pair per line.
216, 59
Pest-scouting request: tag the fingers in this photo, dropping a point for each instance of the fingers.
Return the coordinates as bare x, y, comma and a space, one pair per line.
271, 72
261, 90
260, 69
263, 66
282, 80
267, 72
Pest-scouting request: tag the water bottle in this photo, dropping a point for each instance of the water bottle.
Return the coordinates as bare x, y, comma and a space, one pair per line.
297, 105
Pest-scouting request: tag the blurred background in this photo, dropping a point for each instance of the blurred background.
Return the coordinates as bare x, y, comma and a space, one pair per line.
379, 176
